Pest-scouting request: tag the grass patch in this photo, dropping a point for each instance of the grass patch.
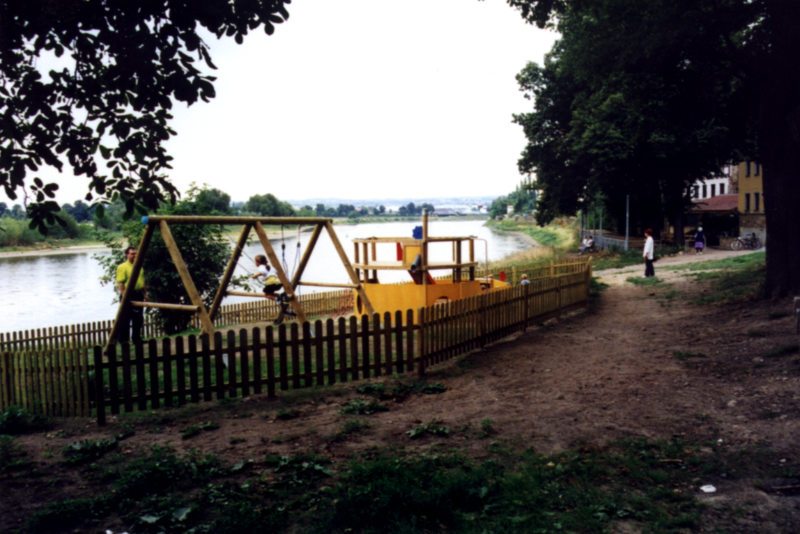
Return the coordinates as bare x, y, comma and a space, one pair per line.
88, 450
349, 428
17, 420
362, 407
431, 428
651, 484
195, 430
747, 261
647, 282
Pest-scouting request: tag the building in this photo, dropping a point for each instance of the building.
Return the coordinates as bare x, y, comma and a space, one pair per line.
752, 217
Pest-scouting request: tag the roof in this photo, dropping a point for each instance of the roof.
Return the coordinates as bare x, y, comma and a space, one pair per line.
717, 204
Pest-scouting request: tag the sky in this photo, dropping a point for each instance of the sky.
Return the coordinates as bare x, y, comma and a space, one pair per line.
362, 99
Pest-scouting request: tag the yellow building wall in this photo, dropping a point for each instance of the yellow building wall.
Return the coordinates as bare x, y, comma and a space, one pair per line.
752, 185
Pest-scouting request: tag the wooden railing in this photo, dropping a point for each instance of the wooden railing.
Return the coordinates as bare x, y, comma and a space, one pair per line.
266, 360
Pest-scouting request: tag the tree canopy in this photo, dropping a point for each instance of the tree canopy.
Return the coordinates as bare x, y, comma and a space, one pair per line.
643, 98
86, 86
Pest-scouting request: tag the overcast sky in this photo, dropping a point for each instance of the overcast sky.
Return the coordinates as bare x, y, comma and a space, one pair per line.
362, 99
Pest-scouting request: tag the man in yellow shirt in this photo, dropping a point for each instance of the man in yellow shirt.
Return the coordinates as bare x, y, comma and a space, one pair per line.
131, 317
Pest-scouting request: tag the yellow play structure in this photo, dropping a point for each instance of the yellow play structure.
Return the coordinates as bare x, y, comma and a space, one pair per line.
411, 254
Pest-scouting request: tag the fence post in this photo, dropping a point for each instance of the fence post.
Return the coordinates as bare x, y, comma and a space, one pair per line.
421, 343
558, 298
525, 307
99, 396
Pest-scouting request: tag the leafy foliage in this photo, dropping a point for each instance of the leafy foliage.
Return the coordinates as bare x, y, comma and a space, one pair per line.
90, 86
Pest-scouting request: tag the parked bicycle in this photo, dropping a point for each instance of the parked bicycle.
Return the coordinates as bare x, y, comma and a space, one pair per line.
747, 242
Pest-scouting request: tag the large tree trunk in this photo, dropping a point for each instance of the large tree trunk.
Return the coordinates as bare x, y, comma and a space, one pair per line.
780, 148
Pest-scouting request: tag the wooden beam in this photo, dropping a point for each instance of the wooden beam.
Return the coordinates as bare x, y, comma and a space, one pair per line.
276, 264
327, 284
186, 278
126, 296
229, 220
164, 306
226, 278
312, 242
349, 268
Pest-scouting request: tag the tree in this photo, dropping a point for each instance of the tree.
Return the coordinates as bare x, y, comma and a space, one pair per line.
81, 211
718, 78
268, 206
212, 201
89, 85
619, 122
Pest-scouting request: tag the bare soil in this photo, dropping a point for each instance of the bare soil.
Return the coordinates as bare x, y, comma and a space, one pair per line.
642, 361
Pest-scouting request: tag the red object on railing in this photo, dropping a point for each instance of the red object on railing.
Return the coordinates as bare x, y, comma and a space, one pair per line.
399, 252
502, 276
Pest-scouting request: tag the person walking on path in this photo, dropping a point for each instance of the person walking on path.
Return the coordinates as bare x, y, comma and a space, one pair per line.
699, 240
647, 254
132, 317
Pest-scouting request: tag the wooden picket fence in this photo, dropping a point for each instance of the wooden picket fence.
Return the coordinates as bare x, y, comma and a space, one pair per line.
269, 359
96, 333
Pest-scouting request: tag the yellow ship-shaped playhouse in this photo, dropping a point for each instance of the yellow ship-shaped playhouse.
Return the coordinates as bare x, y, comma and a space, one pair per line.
411, 255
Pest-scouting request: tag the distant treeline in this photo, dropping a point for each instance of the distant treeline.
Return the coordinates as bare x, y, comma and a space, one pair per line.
79, 220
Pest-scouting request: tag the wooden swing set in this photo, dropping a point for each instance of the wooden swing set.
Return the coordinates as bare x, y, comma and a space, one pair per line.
206, 316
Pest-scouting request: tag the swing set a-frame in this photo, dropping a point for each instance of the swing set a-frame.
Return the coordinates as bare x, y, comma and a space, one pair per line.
256, 224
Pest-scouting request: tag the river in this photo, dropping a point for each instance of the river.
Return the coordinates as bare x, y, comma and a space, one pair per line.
38, 291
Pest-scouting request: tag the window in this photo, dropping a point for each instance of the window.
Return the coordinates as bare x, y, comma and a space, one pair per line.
747, 202
695, 191
705, 195
713, 190
758, 171
747, 171
756, 202
721, 189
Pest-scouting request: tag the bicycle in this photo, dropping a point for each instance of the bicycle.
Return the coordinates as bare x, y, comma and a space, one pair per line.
749, 242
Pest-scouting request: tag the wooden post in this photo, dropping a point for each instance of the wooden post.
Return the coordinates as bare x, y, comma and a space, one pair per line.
312, 242
226, 278
424, 263
348, 267
186, 278
421, 344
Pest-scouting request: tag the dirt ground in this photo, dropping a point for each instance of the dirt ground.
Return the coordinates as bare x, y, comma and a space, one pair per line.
619, 369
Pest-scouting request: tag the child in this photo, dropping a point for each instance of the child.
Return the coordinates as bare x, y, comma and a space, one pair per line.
271, 285
263, 275
524, 279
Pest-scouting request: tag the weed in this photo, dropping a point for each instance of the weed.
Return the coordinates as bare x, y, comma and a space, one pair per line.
362, 407
88, 450
193, 430
233, 440
487, 428
284, 414
783, 350
350, 427
373, 390
649, 281
18, 420
596, 287
299, 471
11, 454
434, 428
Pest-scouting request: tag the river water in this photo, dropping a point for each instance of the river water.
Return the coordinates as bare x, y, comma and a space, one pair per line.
62, 289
